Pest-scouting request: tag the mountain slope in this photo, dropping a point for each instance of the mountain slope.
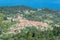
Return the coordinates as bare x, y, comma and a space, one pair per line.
9, 16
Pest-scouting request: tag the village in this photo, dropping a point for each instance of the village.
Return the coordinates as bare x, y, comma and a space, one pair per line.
23, 23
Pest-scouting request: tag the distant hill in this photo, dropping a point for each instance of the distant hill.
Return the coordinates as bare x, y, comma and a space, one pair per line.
47, 15
15, 18
14, 9
43, 11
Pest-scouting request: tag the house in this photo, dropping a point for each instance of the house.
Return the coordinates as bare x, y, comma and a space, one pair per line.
23, 23
9, 18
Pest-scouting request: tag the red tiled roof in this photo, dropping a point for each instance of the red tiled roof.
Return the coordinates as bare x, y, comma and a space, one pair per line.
24, 22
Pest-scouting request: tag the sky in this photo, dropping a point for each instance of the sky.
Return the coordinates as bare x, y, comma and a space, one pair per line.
54, 4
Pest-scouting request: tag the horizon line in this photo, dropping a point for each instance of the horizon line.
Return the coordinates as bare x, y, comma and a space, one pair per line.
28, 6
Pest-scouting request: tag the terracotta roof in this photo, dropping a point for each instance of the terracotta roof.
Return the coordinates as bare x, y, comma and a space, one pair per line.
23, 23
26, 22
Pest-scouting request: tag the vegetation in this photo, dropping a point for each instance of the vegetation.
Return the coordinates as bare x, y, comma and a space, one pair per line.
49, 16
31, 33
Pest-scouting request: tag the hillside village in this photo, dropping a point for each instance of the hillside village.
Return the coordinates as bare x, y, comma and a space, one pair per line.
25, 23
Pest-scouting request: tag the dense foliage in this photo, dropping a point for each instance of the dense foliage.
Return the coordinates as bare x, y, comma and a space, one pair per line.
31, 33
49, 16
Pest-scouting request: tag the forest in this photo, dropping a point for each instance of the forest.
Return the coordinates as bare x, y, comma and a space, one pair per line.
9, 19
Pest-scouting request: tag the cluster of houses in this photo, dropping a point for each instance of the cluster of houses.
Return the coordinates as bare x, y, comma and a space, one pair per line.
12, 19
23, 23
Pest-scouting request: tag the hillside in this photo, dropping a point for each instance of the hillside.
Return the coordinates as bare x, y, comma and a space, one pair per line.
49, 16
26, 19
45, 15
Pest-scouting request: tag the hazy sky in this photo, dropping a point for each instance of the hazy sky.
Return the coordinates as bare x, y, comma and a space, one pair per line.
55, 4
